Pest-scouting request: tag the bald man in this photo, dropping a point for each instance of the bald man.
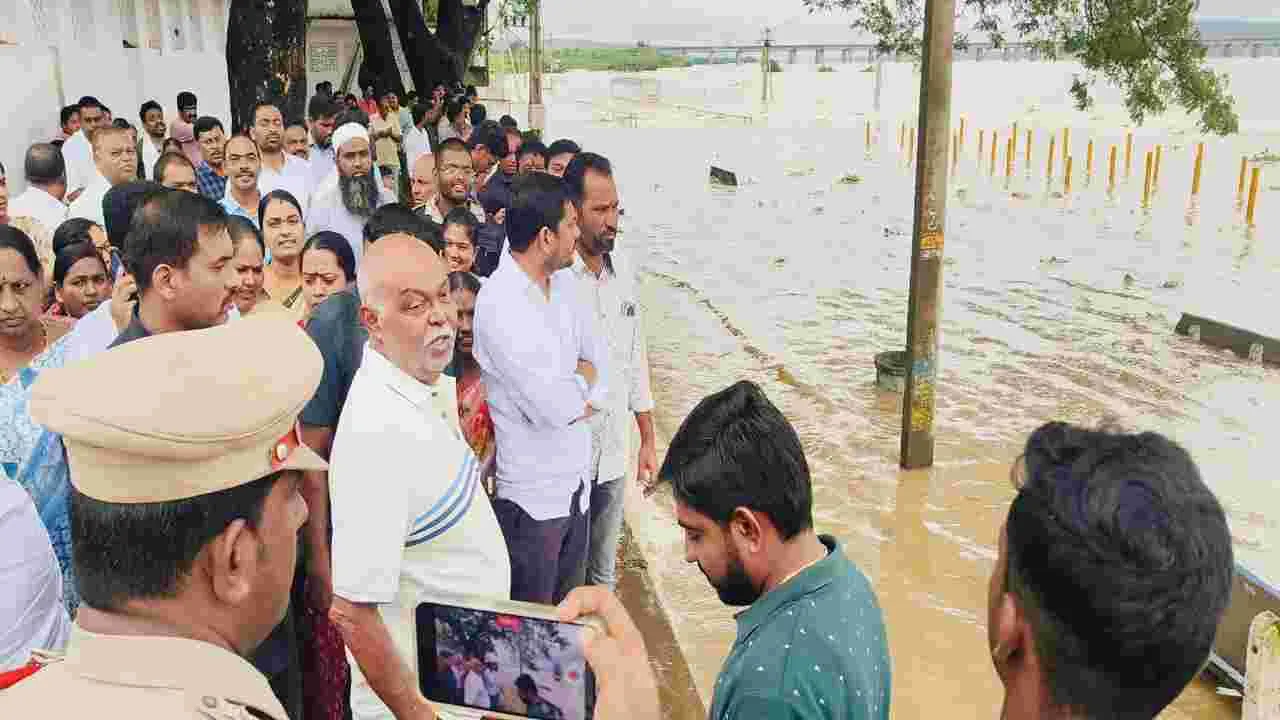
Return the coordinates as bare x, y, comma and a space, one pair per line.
420, 528
422, 181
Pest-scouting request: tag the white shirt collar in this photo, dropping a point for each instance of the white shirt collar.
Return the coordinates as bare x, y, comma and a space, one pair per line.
410, 388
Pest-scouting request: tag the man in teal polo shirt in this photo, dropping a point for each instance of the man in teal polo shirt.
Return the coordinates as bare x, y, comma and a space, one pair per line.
812, 643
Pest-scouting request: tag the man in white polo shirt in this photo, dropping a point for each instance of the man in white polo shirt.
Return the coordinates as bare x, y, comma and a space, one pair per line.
409, 514
543, 363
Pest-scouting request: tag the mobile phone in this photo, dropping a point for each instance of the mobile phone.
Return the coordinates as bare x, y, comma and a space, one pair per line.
485, 658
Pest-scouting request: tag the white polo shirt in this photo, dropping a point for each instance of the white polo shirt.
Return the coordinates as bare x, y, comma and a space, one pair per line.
294, 177
47, 210
409, 513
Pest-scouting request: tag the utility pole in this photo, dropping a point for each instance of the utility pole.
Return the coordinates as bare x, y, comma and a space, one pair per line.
537, 113
927, 238
764, 66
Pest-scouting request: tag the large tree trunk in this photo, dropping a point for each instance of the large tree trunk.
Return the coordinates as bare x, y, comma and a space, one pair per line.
266, 57
440, 56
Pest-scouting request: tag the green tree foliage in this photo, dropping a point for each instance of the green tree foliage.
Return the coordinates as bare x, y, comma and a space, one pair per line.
1149, 48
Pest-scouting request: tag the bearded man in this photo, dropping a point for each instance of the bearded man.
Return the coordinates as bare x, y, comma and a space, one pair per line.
345, 202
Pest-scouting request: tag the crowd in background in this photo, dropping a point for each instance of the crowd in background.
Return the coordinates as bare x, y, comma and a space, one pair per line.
473, 363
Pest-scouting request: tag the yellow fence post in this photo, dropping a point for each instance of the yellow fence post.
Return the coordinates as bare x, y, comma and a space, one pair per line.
1067, 187
1014, 136
1155, 176
1244, 169
1253, 196
1089, 162
1195, 176
1112, 181
982, 143
1128, 154
1146, 186
1066, 144
1053, 139
994, 142
1008, 158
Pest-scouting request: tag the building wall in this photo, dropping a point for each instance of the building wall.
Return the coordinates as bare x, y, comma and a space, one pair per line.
69, 48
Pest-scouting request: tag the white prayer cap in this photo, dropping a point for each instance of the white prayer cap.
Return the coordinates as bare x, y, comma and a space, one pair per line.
347, 133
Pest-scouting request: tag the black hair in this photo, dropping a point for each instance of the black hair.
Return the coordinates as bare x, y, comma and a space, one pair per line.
537, 201
186, 98
395, 218
165, 160
1121, 559
489, 134
166, 231
89, 101
106, 110
64, 116
736, 449
337, 244
240, 227
463, 218
147, 107
507, 121
133, 551
119, 205
532, 147
478, 114
352, 115
71, 232
71, 254
264, 104
462, 280
419, 111
204, 124
349, 97
290, 122
575, 173
472, 92
526, 683
453, 108
122, 124
562, 146
44, 164
11, 238
452, 144
322, 106
283, 196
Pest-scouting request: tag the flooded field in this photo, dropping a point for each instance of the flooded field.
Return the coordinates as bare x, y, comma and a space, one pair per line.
1056, 306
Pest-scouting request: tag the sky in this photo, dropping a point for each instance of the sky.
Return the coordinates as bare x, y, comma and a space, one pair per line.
740, 21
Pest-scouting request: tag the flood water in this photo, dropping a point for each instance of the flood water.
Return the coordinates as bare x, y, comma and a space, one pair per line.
1055, 307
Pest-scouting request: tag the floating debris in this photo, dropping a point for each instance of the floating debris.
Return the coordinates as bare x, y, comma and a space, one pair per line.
723, 177
1054, 260
850, 179
1129, 280
1171, 284
779, 261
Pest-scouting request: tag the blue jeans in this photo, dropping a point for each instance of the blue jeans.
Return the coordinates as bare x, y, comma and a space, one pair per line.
606, 524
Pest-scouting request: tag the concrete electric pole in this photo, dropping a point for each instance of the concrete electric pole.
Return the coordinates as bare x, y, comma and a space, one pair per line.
927, 239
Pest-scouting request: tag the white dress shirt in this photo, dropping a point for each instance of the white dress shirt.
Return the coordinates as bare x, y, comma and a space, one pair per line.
89, 204
328, 213
612, 298
77, 153
47, 210
294, 177
416, 144
150, 154
528, 347
32, 616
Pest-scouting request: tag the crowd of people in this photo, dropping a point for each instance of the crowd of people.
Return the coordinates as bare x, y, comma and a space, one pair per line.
266, 391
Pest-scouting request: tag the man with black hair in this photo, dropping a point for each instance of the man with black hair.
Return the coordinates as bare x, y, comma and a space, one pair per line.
297, 142
536, 706
151, 115
544, 364
532, 157
210, 175
46, 175
488, 146
509, 123
454, 175
455, 121
607, 284
184, 525
1114, 571
812, 642
278, 170
560, 154
174, 171
183, 127
68, 124
322, 116
77, 151
416, 141
179, 253
496, 193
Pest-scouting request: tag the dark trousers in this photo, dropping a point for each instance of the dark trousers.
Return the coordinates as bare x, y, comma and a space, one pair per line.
547, 556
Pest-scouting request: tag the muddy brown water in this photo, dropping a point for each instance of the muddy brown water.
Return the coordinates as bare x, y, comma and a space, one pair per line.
1055, 306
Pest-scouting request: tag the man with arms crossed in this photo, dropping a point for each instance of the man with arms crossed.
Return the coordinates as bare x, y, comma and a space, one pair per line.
410, 517
607, 284
811, 641
543, 362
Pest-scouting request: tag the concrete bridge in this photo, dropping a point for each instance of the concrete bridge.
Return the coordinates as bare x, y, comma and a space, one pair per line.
788, 53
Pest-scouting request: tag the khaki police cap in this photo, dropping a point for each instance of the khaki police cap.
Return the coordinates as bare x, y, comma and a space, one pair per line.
179, 415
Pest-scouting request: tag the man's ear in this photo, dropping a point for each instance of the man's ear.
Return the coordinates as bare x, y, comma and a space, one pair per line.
231, 561
165, 281
745, 529
1015, 641
369, 318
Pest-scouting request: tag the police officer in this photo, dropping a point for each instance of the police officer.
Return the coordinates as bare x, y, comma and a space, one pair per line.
185, 512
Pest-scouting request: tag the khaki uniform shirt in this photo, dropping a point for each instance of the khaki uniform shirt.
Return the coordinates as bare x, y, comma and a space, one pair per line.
142, 678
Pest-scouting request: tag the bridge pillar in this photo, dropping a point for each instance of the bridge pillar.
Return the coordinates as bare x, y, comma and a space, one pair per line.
819, 56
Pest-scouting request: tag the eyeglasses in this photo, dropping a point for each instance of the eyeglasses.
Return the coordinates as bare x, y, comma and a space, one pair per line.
465, 170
